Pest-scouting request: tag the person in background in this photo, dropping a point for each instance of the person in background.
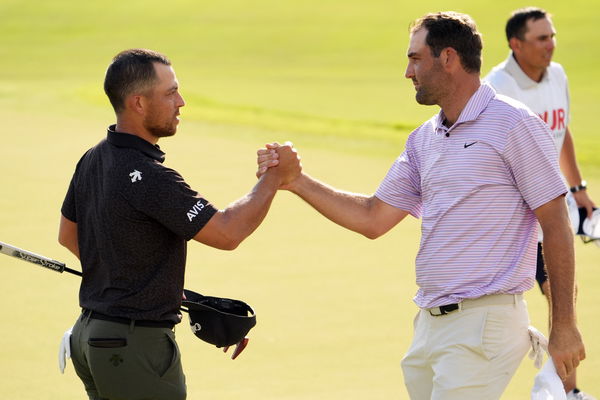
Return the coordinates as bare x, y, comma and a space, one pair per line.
530, 76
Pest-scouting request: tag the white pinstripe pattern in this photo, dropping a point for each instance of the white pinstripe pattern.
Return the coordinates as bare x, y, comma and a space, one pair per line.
475, 191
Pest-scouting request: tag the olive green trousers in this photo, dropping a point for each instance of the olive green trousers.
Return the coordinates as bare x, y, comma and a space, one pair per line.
117, 361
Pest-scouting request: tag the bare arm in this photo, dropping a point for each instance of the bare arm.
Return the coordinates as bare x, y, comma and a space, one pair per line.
360, 213
229, 227
566, 345
67, 235
568, 164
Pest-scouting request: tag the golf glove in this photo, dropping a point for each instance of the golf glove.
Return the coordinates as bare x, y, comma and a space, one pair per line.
539, 346
64, 350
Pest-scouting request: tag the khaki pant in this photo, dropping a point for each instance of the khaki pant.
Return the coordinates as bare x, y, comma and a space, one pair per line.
127, 362
468, 354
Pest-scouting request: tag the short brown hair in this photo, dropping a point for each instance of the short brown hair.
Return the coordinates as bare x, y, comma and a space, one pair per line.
456, 30
516, 26
131, 71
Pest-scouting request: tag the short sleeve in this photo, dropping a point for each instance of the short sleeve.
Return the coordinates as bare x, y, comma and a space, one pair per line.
401, 187
162, 194
533, 162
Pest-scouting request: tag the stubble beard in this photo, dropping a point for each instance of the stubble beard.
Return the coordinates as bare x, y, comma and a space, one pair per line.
425, 97
158, 130
428, 94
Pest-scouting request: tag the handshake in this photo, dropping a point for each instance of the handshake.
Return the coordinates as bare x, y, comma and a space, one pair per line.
281, 161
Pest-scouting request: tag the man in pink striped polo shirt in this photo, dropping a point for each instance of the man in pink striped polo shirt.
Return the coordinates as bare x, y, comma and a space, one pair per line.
474, 174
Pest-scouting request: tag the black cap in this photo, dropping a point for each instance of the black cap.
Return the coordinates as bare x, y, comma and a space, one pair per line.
219, 321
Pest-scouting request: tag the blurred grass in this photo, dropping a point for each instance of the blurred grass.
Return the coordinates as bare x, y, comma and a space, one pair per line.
334, 309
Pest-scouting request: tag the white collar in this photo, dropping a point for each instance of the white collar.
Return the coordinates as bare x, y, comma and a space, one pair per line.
524, 82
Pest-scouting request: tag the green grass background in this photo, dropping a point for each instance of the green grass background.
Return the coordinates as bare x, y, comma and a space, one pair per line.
334, 309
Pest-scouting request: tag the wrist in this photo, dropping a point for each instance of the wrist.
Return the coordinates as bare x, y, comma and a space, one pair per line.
271, 178
295, 186
577, 188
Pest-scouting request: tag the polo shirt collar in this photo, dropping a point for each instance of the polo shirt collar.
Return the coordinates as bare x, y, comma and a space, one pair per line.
121, 139
474, 107
513, 68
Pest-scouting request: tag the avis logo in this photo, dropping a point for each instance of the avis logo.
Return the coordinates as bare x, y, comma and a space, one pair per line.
194, 211
135, 176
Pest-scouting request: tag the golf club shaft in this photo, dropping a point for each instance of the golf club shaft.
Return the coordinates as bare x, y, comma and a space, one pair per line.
36, 259
42, 261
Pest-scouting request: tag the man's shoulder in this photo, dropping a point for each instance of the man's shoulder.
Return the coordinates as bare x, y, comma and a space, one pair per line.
556, 71
508, 109
510, 106
424, 129
501, 80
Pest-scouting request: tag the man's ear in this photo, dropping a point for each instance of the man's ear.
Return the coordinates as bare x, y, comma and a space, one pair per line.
136, 103
449, 58
514, 44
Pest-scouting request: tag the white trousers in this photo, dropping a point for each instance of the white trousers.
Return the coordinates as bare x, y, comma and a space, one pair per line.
468, 354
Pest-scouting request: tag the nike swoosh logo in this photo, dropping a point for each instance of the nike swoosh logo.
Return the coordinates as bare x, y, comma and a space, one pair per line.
469, 145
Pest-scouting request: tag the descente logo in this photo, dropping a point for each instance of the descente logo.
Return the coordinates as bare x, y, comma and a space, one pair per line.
194, 211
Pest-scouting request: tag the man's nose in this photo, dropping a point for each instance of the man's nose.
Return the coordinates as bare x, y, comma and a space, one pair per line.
409, 73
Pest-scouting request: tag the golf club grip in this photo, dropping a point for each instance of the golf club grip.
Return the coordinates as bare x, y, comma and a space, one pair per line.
40, 260
35, 259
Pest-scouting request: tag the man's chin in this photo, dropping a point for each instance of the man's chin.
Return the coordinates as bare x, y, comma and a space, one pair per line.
163, 132
424, 101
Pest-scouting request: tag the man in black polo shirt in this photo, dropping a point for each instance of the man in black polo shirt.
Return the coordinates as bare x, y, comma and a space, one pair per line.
128, 218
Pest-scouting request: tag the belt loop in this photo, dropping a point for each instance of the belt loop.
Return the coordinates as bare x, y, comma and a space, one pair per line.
131, 326
460, 306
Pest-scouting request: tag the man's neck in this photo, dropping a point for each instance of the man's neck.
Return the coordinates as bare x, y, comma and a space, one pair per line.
133, 128
453, 105
535, 74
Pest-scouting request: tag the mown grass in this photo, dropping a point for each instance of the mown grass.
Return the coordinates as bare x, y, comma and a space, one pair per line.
334, 309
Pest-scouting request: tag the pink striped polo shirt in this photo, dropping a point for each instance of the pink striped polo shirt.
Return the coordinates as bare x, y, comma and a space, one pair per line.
475, 185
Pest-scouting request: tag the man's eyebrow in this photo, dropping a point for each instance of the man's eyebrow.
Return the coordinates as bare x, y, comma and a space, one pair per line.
411, 54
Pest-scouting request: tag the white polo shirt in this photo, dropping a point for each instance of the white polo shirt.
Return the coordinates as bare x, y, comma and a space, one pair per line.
549, 98
475, 185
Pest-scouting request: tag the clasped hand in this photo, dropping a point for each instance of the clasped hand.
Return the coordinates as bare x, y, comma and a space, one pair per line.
279, 159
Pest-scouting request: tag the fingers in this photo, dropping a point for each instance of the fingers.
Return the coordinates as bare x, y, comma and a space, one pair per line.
567, 349
589, 208
266, 158
270, 156
273, 145
564, 367
583, 200
238, 348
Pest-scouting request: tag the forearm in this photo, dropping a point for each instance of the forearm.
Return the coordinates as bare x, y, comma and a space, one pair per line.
568, 161
350, 210
565, 344
559, 260
67, 235
243, 216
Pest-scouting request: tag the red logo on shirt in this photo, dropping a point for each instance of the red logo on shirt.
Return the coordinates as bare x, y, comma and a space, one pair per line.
558, 119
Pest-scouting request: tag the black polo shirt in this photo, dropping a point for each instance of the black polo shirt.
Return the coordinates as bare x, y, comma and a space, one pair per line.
134, 217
